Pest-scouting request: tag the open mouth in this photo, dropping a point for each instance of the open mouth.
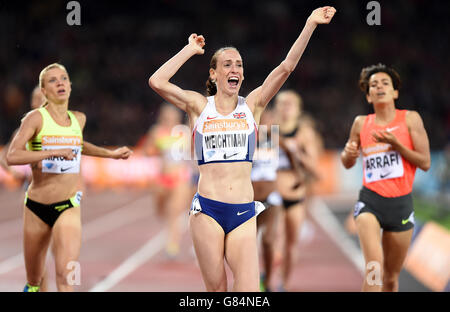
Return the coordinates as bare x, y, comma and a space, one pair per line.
381, 93
233, 81
61, 91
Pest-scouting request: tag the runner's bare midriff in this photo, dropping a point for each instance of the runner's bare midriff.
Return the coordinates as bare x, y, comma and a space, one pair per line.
226, 182
48, 188
286, 180
263, 189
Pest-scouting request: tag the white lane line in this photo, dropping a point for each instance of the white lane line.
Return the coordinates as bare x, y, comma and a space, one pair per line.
330, 224
11, 263
117, 218
136, 210
141, 256
148, 250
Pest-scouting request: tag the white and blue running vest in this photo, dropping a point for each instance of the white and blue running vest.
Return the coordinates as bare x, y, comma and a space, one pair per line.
229, 138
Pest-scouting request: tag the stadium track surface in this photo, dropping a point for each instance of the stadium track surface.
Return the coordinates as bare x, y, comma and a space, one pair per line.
123, 248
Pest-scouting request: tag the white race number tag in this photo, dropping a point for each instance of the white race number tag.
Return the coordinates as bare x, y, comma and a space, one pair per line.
57, 164
382, 166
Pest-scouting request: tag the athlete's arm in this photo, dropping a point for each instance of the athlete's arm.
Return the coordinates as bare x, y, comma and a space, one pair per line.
262, 95
308, 152
90, 149
351, 149
81, 117
18, 154
294, 162
420, 155
4, 164
188, 101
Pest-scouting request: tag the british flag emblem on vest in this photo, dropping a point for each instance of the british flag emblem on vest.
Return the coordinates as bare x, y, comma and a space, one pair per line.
239, 115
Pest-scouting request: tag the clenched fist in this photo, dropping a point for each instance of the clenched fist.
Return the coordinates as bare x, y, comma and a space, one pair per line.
197, 43
322, 15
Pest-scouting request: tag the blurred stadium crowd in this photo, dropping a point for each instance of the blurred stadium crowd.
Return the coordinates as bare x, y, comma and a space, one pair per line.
119, 44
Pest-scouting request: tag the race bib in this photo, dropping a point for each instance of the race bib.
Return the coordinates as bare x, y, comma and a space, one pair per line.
265, 164
57, 164
267, 157
225, 140
76, 200
383, 166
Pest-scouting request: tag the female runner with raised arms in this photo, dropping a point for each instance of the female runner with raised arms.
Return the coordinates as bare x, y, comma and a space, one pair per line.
224, 124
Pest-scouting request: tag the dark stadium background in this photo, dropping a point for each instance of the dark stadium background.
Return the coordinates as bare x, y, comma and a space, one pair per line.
120, 43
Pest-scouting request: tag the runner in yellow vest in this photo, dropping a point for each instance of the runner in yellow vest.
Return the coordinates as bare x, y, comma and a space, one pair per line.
50, 139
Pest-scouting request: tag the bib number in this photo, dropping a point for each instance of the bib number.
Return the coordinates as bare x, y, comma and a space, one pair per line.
225, 146
383, 166
58, 164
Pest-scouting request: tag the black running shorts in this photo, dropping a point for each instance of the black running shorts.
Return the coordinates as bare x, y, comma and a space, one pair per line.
395, 214
49, 213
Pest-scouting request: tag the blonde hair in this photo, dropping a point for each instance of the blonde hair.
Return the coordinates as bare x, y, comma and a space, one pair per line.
44, 71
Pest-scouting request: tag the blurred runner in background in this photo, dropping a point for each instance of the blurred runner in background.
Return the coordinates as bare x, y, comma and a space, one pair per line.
264, 175
173, 186
299, 136
37, 99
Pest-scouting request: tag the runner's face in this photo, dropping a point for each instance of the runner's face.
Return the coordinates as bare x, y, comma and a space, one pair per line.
287, 106
57, 86
229, 72
381, 89
169, 117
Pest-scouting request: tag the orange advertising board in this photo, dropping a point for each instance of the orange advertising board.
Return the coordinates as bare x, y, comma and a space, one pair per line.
429, 257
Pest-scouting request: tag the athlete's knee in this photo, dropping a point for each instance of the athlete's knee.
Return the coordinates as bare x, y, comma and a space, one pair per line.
292, 240
217, 286
221, 288
246, 283
374, 273
61, 276
390, 281
268, 239
67, 271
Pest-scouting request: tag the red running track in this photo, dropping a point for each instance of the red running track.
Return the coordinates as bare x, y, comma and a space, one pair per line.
123, 250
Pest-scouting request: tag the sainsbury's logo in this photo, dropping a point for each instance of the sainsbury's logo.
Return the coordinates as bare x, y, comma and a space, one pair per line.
225, 125
61, 140
376, 148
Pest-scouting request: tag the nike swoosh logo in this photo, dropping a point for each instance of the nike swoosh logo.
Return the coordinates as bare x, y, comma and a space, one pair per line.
405, 221
241, 213
382, 176
391, 129
209, 118
65, 169
229, 156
